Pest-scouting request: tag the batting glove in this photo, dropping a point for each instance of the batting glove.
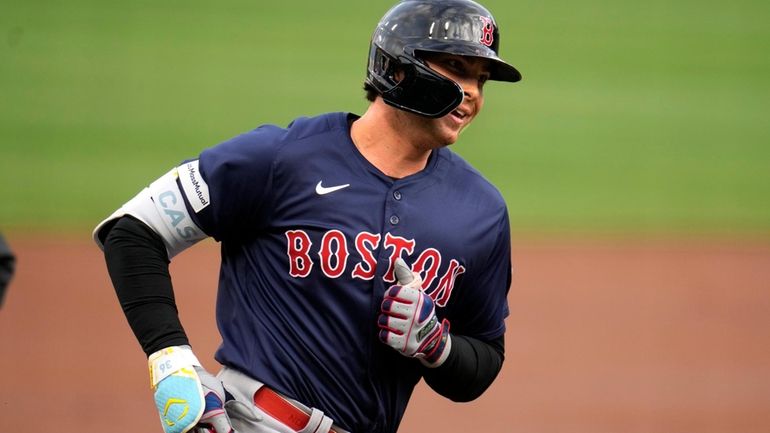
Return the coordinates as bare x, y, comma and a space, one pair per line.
188, 398
408, 321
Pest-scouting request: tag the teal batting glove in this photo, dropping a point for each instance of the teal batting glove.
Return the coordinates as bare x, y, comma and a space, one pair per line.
177, 386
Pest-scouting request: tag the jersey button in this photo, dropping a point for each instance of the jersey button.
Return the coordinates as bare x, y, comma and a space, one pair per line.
394, 219
397, 195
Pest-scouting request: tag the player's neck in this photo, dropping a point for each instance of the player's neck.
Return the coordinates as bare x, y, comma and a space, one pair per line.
386, 142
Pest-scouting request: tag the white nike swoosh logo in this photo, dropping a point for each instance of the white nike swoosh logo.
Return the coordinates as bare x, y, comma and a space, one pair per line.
322, 190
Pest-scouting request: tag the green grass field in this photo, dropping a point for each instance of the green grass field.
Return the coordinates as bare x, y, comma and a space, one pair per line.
633, 117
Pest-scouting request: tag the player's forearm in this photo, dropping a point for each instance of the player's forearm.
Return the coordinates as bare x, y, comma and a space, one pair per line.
469, 370
138, 266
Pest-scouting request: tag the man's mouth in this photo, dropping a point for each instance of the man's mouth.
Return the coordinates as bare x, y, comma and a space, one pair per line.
460, 114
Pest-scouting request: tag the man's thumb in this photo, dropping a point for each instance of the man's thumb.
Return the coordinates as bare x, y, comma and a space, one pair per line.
404, 275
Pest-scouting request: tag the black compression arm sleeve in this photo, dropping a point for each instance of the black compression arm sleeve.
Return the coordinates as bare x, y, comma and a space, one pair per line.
469, 370
138, 266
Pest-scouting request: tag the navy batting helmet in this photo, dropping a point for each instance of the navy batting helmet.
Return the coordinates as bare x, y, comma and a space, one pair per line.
460, 27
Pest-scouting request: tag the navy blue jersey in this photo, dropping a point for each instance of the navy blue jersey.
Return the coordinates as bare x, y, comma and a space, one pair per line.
309, 232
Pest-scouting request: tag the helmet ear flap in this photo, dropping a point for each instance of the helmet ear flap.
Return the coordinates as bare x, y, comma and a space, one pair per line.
406, 83
391, 71
382, 65
420, 90
403, 76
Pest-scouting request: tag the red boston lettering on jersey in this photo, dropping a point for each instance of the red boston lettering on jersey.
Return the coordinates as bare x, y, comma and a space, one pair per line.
297, 248
443, 292
399, 245
487, 31
334, 253
333, 246
366, 243
427, 266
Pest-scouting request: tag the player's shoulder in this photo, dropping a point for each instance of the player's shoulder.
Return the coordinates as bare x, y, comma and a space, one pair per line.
298, 129
303, 133
308, 127
269, 140
468, 180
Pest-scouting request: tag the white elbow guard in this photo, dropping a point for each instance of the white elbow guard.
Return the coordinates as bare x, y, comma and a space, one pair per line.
161, 207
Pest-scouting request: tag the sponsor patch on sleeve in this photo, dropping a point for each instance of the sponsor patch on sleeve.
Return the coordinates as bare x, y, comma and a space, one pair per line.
195, 188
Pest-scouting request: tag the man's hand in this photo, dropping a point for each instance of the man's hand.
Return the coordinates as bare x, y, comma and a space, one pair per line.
214, 418
408, 321
186, 395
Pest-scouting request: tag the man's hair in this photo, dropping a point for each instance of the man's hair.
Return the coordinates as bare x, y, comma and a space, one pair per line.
371, 92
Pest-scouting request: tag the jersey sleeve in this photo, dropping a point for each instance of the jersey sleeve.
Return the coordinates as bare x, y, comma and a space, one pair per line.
483, 306
228, 188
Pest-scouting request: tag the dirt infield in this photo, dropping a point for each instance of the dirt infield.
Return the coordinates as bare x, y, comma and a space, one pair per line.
603, 337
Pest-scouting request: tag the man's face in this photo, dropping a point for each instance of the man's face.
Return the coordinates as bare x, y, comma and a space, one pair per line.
470, 73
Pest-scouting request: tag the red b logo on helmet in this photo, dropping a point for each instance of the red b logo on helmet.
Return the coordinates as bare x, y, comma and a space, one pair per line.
487, 31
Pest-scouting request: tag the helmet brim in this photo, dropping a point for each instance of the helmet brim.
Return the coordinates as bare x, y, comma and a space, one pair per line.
500, 70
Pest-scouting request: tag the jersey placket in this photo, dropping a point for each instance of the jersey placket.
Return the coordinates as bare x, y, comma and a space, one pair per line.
392, 244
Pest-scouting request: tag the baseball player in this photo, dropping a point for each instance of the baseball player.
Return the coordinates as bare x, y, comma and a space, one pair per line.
359, 254
7, 267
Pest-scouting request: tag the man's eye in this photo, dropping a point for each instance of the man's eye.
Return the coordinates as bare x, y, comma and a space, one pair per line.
453, 64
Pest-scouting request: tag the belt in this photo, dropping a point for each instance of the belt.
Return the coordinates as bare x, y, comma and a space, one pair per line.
281, 409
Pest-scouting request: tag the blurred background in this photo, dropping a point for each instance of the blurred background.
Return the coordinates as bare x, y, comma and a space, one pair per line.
633, 156
631, 116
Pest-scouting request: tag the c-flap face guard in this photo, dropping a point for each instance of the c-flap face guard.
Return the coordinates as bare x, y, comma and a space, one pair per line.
421, 90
